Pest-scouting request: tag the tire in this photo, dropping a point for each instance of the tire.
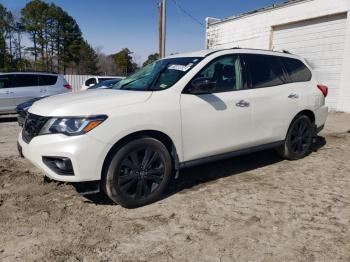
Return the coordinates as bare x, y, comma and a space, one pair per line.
298, 141
138, 173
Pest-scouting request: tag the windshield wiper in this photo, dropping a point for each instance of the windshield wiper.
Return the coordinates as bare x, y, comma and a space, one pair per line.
126, 84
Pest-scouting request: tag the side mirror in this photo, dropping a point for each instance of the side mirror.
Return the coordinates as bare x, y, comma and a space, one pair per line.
201, 86
91, 85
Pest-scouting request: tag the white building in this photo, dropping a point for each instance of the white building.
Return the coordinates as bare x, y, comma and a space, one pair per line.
318, 30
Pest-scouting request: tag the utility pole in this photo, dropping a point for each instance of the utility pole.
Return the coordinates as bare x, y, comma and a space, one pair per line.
162, 27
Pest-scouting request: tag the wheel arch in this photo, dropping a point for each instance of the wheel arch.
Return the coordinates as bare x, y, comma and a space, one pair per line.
306, 112
161, 136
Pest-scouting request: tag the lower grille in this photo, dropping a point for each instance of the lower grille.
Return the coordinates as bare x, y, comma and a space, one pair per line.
32, 126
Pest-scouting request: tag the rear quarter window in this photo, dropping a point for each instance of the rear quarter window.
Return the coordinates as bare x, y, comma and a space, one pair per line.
47, 80
296, 69
90, 81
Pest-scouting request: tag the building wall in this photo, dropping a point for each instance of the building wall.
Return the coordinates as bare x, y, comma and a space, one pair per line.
344, 91
255, 31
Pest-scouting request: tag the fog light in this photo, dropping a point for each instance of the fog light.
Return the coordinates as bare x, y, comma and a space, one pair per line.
60, 165
64, 164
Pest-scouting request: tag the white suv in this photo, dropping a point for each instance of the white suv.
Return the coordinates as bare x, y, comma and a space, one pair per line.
177, 112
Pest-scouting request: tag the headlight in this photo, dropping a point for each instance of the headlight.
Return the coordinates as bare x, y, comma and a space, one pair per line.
71, 126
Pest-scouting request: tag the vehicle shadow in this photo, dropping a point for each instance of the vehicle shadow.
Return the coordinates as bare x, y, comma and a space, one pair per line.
203, 174
193, 177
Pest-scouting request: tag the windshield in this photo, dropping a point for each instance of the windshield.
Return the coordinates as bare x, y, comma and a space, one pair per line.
159, 75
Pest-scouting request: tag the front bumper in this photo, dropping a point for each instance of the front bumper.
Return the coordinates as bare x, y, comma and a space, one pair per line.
86, 153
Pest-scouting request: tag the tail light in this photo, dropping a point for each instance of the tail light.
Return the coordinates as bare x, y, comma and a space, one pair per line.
323, 89
68, 86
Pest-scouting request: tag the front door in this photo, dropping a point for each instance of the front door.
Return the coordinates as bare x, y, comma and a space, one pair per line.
219, 122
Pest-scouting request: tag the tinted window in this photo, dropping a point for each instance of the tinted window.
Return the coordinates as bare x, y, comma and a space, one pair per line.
90, 81
296, 69
5, 81
225, 72
25, 80
47, 80
265, 70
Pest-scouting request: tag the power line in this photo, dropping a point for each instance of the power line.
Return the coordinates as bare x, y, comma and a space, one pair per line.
187, 13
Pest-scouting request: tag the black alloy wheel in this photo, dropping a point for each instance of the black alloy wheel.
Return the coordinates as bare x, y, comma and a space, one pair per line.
141, 173
138, 172
300, 137
298, 141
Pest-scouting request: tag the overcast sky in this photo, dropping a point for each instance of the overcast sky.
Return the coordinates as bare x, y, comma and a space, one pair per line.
115, 24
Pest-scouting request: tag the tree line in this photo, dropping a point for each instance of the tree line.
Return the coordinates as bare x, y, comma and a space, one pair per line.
57, 41
56, 44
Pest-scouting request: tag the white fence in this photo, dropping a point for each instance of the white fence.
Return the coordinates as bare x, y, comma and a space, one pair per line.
76, 81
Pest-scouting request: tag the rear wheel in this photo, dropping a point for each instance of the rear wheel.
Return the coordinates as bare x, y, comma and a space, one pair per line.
138, 173
299, 139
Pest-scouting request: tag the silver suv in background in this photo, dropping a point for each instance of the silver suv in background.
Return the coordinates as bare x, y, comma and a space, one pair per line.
19, 87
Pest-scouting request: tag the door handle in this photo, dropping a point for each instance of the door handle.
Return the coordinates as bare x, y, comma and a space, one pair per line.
243, 103
293, 96
8, 92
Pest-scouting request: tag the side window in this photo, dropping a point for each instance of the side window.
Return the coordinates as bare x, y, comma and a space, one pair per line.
225, 72
5, 81
90, 81
25, 80
265, 70
296, 69
47, 80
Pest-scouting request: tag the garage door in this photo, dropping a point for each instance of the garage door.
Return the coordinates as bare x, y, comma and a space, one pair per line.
321, 41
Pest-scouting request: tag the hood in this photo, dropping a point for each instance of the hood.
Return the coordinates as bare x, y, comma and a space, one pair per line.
88, 102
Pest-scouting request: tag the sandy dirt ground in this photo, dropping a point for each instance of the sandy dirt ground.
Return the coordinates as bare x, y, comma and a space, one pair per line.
251, 208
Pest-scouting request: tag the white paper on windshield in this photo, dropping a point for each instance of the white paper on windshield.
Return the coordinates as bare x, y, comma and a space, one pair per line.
180, 67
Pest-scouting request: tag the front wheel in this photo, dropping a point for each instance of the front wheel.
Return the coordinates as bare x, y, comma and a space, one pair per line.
298, 140
138, 173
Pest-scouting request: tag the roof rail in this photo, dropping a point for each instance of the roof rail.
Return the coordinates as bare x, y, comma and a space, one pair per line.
285, 51
257, 49
30, 71
218, 50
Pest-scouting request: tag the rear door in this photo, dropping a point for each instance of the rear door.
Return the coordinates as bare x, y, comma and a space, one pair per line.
275, 100
25, 87
7, 103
